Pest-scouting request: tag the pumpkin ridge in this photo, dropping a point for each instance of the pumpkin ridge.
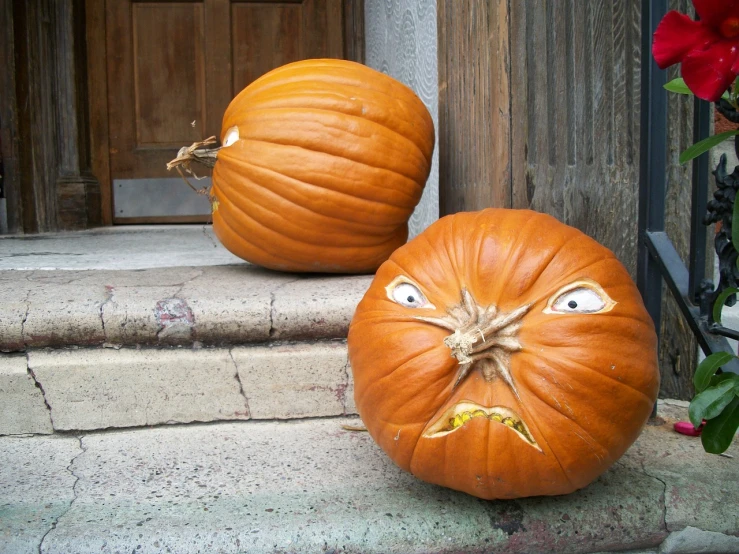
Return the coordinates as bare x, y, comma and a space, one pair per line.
375, 250
512, 254
392, 91
352, 231
310, 133
262, 216
562, 365
607, 462
590, 441
229, 227
246, 164
408, 132
245, 117
533, 422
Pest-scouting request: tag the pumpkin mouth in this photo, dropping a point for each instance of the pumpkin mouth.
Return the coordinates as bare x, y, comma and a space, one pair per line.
458, 415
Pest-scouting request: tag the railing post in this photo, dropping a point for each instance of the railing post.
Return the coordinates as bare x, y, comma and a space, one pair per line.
653, 161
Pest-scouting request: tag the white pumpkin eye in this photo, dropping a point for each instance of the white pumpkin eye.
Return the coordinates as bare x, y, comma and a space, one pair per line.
408, 295
582, 297
579, 301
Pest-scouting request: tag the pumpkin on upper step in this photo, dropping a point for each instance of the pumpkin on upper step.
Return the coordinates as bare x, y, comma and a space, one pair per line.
504, 354
323, 162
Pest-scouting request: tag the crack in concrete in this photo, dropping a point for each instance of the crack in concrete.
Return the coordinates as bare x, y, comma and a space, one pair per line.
272, 329
77, 479
345, 385
272, 298
40, 387
110, 290
241, 384
27, 301
663, 498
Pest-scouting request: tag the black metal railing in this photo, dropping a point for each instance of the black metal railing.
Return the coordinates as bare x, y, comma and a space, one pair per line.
657, 258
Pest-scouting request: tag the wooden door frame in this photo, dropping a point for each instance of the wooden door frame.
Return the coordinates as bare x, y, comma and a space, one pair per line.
97, 85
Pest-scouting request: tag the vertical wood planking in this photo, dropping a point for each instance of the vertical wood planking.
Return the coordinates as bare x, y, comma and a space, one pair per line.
354, 36
569, 66
677, 345
474, 105
594, 184
9, 137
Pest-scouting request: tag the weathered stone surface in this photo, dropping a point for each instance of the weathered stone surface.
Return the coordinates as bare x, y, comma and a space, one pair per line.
699, 488
116, 248
99, 388
319, 307
133, 315
294, 380
36, 488
217, 305
13, 309
23, 410
233, 304
696, 541
311, 486
64, 314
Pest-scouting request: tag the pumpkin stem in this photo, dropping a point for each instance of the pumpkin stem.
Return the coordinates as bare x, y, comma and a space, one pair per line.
196, 152
481, 337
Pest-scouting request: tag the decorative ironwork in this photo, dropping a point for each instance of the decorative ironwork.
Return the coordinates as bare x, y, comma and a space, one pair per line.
720, 210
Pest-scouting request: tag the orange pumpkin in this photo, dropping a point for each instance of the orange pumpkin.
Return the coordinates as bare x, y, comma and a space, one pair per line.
504, 354
323, 162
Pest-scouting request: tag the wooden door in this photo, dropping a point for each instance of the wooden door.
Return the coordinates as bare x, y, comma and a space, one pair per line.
172, 69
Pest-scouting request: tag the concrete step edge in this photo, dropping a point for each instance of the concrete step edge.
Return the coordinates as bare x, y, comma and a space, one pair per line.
84, 389
212, 305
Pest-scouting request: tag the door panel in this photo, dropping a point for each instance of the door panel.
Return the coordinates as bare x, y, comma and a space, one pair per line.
172, 69
168, 73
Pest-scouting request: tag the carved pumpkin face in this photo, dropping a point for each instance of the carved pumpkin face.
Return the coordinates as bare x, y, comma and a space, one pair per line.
504, 354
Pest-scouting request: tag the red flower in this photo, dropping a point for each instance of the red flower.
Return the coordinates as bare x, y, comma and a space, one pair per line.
708, 49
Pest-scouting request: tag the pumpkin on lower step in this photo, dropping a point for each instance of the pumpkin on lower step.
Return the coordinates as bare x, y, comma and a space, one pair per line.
322, 164
504, 354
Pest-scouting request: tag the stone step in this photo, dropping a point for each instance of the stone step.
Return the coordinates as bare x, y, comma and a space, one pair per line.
74, 389
312, 486
174, 306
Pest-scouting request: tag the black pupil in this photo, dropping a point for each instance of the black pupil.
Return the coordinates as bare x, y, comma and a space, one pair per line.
572, 304
411, 299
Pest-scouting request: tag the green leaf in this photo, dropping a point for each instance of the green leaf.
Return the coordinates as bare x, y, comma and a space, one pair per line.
678, 85
720, 431
721, 299
705, 145
708, 367
711, 401
716, 379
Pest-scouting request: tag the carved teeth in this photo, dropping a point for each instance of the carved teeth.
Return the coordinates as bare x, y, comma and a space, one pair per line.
465, 411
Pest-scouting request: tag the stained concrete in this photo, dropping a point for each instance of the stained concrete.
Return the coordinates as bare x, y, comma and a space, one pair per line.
312, 486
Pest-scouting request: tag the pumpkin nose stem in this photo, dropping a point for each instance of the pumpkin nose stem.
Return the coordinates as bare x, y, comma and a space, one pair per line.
481, 337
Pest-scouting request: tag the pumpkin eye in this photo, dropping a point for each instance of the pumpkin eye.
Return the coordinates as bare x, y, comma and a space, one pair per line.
409, 296
580, 298
581, 301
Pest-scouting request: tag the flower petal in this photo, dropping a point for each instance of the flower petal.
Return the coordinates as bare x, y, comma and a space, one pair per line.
714, 12
677, 35
708, 73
